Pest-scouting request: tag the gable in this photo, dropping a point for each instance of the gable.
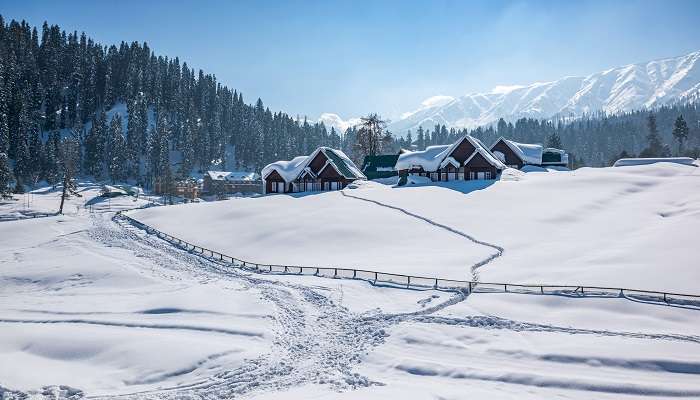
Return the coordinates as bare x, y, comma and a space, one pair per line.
478, 161
318, 162
463, 151
329, 172
274, 176
511, 157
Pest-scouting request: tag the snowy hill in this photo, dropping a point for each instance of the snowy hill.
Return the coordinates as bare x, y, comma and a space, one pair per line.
561, 219
631, 87
92, 306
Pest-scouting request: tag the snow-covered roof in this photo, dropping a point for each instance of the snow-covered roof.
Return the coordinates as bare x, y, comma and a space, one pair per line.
624, 162
232, 176
290, 170
435, 157
341, 162
490, 158
529, 153
428, 159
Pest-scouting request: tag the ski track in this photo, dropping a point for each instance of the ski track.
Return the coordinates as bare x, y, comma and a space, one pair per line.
474, 267
316, 340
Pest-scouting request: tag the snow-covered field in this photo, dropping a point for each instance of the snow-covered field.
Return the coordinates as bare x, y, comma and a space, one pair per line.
93, 306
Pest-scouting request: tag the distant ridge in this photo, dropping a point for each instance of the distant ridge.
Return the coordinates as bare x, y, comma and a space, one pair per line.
631, 87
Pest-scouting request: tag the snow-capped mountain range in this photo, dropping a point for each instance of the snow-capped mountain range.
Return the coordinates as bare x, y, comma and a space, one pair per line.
631, 87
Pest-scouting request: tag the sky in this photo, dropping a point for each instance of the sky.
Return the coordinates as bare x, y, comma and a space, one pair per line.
357, 57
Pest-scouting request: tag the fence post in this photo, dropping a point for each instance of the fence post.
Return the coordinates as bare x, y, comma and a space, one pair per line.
541, 289
665, 301
375, 277
354, 273
335, 272
409, 282
436, 283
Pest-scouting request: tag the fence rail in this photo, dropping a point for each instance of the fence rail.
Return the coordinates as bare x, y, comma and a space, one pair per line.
424, 282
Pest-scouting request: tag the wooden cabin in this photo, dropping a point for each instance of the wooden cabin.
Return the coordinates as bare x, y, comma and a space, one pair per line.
466, 159
325, 169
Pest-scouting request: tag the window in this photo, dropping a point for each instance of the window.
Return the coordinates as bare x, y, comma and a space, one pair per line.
472, 175
280, 187
433, 176
488, 174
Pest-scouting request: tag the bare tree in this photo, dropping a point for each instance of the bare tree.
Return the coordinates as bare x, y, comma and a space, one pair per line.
70, 162
371, 137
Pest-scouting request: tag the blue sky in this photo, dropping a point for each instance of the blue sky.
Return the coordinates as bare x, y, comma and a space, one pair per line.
355, 57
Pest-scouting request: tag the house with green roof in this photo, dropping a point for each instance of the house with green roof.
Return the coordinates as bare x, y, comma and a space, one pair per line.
325, 169
380, 166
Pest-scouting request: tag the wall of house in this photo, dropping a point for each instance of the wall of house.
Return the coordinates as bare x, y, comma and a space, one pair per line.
512, 159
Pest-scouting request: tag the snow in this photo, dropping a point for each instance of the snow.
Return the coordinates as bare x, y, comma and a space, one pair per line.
529, 153
288, 170
582, 227
93, 306
428, 159
623, 89
624, 162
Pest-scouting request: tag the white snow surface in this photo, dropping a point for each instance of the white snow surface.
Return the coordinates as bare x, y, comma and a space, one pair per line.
615, 227
625, 162
95, 307
288, 170
429, 159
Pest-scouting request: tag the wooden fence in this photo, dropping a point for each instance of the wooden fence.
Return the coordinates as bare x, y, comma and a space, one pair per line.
423, 282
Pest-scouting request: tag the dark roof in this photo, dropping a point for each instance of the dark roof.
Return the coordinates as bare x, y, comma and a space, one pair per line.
379, 161
341, 165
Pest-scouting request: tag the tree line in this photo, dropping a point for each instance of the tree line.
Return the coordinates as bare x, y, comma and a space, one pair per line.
56, 85
592, 140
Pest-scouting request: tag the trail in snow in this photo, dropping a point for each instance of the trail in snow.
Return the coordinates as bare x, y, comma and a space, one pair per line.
474, 267
316, 340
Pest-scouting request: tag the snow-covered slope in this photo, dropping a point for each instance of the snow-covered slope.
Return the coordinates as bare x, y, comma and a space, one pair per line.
92, 306
632, 87
616, 227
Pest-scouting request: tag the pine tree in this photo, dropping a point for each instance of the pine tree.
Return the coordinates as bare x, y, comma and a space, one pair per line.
655, 147
116, 151
680, 132
5, 176
553, 141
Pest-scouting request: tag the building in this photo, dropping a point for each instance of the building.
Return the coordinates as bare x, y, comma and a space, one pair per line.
517, 155
187, 188
466, 159
324, 169
381, 166
225, 182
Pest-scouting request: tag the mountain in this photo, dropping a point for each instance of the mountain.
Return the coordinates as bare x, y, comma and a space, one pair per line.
632, 87
331, 120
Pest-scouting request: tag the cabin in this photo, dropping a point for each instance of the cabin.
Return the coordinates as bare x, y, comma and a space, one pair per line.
381, 166
225, 182
517, 155
466, 159
325, 169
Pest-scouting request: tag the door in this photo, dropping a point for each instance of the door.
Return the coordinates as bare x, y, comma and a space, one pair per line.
280, 187
481, 175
